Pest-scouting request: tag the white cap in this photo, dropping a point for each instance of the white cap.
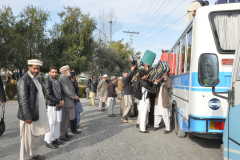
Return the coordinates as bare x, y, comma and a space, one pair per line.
105, 76
35, 62
64, 68
120, 77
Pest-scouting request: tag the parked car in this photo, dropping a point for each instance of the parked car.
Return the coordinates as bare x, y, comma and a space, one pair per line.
46, 75
83, 78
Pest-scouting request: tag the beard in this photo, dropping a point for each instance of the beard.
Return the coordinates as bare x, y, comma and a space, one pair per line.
68, 74
53, 77
34, 73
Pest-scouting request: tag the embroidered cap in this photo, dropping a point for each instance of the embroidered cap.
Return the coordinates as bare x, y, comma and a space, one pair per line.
105, 76
64, 68
35, 62
113, 77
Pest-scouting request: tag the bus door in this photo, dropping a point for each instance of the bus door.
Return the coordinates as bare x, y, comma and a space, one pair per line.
231, 138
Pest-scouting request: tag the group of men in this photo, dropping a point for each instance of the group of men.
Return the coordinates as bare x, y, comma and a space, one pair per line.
62, 108
105, 90
52, 117
153, 105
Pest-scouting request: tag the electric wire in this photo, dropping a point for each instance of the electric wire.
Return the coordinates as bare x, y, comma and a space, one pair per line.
158, 14
153, 15
162, 29
162, 19
145, 15
136, 14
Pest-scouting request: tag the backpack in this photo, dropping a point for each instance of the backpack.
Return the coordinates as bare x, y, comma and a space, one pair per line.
137, 90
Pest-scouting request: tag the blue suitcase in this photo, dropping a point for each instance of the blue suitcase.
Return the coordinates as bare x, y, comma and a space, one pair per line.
148, 58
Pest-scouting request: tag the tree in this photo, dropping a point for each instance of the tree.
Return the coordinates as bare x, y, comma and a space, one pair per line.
75, 40
23, 39
125, 51
107, 26
107, 61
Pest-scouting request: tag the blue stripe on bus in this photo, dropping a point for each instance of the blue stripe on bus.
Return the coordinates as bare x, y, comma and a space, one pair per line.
209, 89
185, 87
182, 82
225, 79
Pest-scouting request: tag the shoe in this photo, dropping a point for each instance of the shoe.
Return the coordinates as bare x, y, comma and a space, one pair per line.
64, 139
166, 131
148, 126
51, 145
81, 114
79, 127
156, 128
111, 115
38, 157
57, 142
68, 136
137, 126
129, 120
76, 132
124, 120
143, 131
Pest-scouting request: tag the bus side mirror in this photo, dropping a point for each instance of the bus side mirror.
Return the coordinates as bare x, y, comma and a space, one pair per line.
208, 69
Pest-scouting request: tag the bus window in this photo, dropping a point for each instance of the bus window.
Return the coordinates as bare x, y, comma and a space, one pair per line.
182, 55
189, 48
176, 52
226, 30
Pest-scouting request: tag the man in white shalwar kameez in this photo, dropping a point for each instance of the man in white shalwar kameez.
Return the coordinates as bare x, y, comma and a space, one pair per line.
32, 112
54, 101
161, 110
144, 103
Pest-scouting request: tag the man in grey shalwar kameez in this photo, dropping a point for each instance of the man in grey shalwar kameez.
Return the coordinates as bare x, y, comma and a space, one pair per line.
68, 110
102, 91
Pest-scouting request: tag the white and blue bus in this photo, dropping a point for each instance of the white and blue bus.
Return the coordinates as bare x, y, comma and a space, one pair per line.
198, 111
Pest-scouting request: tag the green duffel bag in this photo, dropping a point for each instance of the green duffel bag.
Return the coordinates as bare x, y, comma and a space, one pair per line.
148, 58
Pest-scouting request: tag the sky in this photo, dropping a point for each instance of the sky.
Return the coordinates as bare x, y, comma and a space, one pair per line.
148, 17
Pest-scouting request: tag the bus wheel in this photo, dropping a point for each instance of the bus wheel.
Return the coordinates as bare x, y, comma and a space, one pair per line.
175, 121
181, 134
178, 130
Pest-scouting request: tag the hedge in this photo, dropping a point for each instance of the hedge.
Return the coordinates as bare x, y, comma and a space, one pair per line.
82, 92
11, 90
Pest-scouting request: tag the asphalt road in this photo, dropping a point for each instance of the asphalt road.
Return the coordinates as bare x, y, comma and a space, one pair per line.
108, 138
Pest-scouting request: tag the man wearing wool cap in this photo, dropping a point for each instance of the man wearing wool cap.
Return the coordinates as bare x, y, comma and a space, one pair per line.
102, 91
68, 110
32, 111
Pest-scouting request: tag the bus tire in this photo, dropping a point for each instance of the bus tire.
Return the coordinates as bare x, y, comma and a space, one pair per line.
189, 135
181, 134
178, 130
175, 121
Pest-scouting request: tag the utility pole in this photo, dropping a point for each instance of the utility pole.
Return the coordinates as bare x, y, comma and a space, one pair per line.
110, 31
131, 35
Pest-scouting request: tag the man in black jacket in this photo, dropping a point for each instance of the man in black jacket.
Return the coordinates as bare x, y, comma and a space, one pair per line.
128, 91
144, 102
54, 102
93, 91
32, 111
2, 92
